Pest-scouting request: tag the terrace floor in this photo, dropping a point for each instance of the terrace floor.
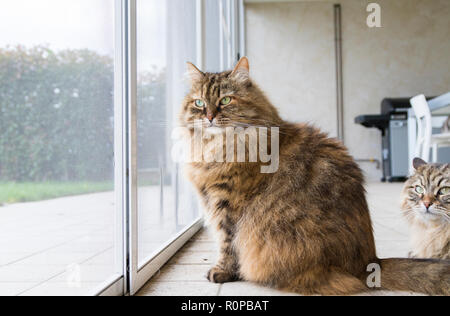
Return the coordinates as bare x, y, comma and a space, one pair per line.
66, 246
69, 245
185, 273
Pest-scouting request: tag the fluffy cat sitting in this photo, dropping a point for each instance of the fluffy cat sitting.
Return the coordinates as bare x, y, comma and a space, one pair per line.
426, 206
305, 228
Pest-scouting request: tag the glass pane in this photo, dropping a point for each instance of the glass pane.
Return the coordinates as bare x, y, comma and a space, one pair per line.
57, 201
226, 36
212, 36
166, 40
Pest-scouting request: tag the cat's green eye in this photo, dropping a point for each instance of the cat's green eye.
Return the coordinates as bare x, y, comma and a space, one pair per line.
225, 101
444, 191
419, 189
199, 103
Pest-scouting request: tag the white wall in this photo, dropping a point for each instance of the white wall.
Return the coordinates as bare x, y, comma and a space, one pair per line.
291, 50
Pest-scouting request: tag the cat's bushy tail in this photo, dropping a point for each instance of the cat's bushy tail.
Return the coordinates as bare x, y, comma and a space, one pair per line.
428, 276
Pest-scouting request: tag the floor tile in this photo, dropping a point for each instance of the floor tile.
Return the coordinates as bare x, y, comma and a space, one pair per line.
194, 257
14, 288
247, 288
182, 273
180, 289
27, 274
201, 246
61, 289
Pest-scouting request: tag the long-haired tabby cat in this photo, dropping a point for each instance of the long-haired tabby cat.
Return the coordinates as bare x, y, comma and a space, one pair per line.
426, 206
305, 228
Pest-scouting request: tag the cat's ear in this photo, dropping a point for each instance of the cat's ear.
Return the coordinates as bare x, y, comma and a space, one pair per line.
417, 163
193, 73
242, 70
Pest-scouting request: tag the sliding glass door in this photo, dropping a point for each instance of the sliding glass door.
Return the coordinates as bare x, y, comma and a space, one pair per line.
60, 223
164, 42
159, 37
166, 207
91, 201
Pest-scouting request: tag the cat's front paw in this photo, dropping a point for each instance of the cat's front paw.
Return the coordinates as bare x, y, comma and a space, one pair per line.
218, 275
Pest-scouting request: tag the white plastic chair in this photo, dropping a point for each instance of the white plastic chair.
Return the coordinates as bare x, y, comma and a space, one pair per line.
425, 139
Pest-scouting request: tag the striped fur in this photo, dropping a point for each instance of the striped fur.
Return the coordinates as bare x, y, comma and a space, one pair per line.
430, 230
305, 228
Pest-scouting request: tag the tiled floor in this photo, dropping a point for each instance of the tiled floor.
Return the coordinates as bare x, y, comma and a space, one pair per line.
59, 246
185, 273
68, 246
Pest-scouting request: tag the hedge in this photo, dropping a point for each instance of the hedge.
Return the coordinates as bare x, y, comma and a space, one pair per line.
57, 116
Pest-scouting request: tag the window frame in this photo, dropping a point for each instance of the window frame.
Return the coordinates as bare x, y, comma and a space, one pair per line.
139, 274
118, 286
125, 148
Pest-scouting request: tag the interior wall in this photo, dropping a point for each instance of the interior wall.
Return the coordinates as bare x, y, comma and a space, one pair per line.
291, 50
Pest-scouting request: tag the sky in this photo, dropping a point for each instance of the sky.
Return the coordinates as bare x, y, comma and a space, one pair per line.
75, 24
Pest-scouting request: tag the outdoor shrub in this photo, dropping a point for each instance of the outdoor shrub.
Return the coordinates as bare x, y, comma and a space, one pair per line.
57, 116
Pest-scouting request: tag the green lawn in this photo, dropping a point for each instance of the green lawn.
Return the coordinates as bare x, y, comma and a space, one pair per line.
11, 192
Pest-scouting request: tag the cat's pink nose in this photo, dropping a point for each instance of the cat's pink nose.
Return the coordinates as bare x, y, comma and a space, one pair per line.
427, 204
210, 116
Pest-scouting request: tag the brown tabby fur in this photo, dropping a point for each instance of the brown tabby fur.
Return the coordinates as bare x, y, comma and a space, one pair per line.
305, 228
430, 230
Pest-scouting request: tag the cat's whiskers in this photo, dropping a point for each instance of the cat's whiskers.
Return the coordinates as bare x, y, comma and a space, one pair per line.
409, 214
247, 125
443, 214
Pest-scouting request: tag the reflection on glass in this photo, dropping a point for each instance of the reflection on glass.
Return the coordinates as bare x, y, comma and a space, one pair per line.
57, 213
212, 36
165, 42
